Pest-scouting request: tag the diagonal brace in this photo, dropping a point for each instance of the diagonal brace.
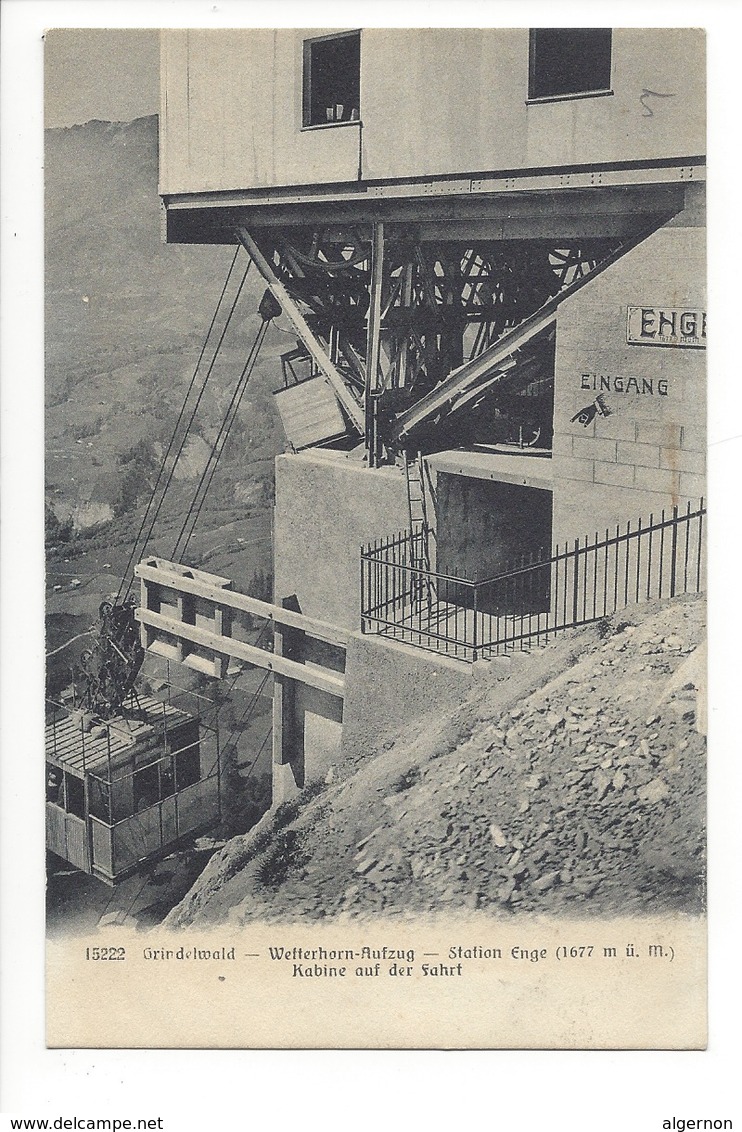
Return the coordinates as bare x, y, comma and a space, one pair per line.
333, 376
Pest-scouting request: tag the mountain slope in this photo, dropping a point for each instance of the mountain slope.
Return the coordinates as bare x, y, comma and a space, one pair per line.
571, 782
126, 316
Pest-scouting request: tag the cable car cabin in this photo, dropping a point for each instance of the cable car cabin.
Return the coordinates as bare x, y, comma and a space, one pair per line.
124, 790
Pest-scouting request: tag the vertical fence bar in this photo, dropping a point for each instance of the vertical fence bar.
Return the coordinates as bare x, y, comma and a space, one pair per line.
687, 540
554, 601
575, 580
662, 551
700, 547
638, 557
606, 550
674, 550
649, 563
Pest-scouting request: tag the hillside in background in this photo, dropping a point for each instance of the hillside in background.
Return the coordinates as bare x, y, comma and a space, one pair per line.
126, 317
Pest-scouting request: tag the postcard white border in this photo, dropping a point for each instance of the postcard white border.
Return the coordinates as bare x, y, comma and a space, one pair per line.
205, 1090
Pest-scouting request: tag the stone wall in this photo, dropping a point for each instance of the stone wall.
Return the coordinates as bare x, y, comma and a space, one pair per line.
649, 453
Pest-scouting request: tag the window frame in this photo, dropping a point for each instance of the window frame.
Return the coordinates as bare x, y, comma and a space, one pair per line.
306, 86
597, 92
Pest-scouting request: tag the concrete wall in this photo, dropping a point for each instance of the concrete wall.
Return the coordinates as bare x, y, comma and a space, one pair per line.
392, 686
231, 107
327, 507
649, 453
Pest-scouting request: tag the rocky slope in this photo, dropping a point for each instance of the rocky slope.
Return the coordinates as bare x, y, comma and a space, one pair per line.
572, 781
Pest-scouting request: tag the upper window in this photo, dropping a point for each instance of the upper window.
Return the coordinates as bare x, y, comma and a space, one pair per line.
332, 79
565, 61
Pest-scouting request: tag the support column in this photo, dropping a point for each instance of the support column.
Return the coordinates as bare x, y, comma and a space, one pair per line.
288, 741
373, 441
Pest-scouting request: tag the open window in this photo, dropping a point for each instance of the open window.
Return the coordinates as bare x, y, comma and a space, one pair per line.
569, 61
332, 79
75, 788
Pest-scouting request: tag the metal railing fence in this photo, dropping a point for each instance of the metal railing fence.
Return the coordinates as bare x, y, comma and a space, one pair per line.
526, 602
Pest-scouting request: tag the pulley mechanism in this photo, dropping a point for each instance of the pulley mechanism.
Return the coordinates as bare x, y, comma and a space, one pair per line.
110, 667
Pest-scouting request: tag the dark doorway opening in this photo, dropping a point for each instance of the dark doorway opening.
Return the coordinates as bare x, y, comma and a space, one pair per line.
487, 529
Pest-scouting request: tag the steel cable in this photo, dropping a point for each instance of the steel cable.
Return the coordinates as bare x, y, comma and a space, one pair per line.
218, 447
186, 432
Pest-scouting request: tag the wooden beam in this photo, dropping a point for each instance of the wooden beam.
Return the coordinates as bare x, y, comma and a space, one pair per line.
168, 575
334, 683
461, 379
302, 328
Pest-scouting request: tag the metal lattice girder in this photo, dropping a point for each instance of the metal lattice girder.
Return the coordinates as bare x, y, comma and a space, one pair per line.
466, 376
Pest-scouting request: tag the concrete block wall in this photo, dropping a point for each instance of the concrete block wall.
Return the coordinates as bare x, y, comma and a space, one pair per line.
649, 453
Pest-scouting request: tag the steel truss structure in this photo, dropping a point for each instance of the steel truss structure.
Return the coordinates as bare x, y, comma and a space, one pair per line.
395, 315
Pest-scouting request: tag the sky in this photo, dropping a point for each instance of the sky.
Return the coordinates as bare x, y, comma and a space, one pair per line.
105, 73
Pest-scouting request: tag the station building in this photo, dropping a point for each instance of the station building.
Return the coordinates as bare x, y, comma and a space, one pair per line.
490, 243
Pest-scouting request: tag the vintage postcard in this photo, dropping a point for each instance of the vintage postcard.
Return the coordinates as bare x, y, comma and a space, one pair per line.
376, 538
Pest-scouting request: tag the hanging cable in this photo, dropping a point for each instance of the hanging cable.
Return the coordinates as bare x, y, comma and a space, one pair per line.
219, 445
178, 422
189, 425
268, 310
248, 712
193, 414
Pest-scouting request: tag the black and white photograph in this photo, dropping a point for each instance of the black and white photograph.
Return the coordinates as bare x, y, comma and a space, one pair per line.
375, 504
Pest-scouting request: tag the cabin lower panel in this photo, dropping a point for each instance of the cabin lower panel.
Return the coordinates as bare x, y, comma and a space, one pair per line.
67, 836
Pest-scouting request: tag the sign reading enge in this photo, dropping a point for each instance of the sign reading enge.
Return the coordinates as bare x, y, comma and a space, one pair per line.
659, 326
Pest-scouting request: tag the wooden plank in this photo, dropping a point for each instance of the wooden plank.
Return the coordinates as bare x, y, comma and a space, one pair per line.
309, 413
123, 739
291, 310
164, 574
462, 378
335, 685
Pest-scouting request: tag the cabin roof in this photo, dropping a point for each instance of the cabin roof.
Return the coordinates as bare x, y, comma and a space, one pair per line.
71, 749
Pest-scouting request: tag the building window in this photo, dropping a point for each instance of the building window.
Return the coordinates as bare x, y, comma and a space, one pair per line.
332, 79
569, 61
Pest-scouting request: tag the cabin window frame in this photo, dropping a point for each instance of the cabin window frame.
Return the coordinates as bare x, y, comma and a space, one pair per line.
597, 91
306, 104
75, 796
